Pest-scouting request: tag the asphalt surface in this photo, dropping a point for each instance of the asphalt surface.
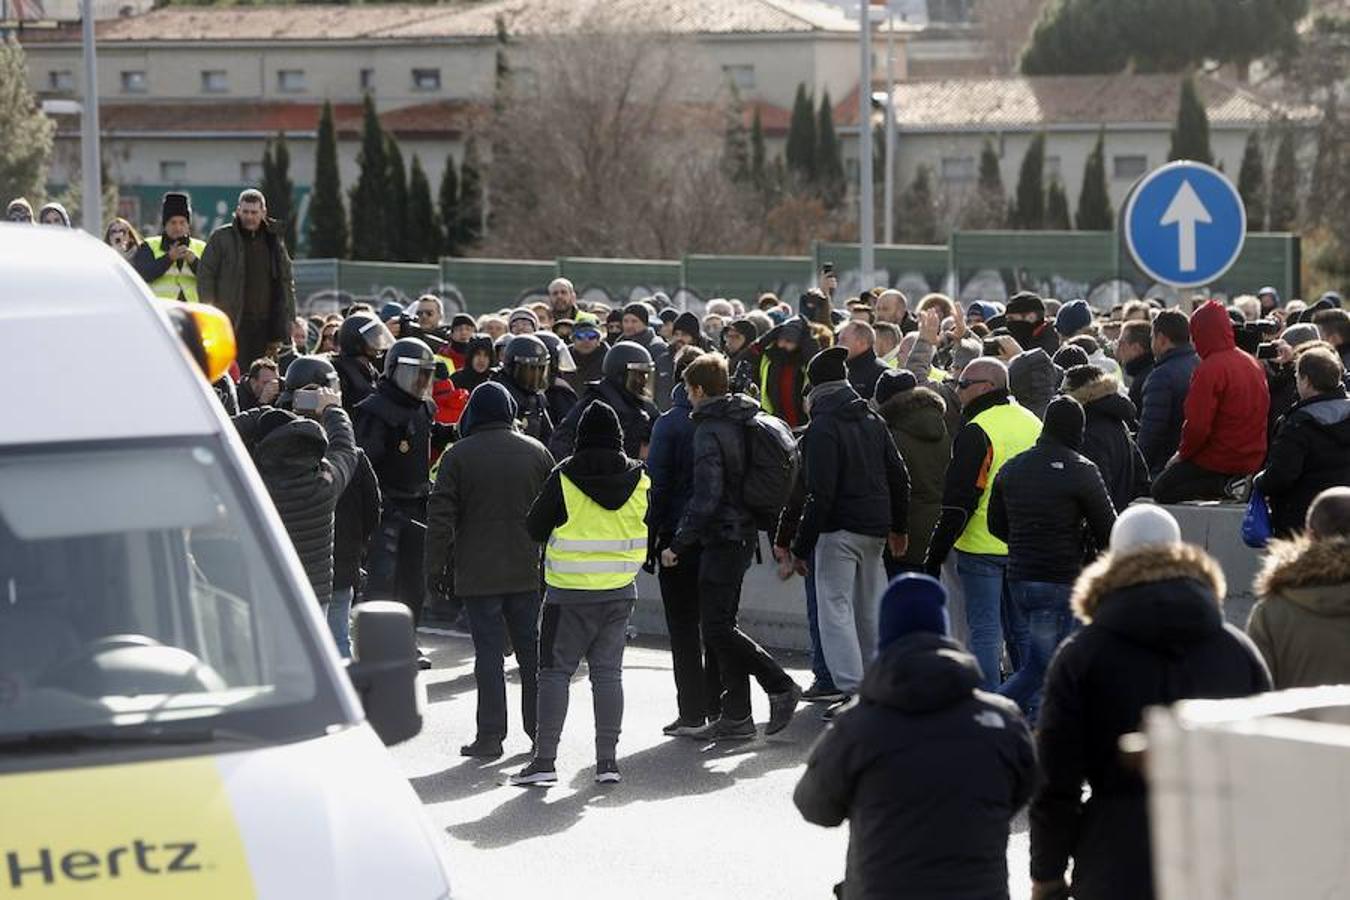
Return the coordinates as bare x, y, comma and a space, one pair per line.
688, 821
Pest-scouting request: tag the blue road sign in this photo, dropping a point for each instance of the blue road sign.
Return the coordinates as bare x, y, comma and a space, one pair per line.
1185, 223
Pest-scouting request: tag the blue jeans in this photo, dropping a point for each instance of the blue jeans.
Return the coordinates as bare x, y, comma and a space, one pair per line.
1045, 606
339, 612
819, 671
982, 580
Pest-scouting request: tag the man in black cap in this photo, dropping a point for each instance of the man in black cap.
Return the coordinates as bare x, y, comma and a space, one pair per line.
781, 376
685, 332
613, 326
1026, 323
168, 261
462, 329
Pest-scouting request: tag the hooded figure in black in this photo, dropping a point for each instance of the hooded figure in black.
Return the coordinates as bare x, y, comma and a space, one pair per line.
781, 374
1107, 436
362, 342
629, 377
1155, 634
525, 375
468, 376
560, 396
928, 769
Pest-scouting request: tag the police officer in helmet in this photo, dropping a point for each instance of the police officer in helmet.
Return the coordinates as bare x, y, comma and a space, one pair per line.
362, 340
560, 396
394, 427
629, 379
525, 373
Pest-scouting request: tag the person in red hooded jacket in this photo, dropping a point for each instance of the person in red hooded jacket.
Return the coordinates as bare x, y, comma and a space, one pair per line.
1224, 435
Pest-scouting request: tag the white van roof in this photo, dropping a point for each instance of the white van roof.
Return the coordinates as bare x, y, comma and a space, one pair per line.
84, 353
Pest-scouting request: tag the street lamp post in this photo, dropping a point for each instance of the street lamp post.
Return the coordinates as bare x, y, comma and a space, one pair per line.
889, 189
866, 229
91, 201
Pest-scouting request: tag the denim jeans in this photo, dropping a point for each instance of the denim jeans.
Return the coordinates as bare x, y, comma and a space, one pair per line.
339, 612
1045, 606
491, 619
820, 673
985, 589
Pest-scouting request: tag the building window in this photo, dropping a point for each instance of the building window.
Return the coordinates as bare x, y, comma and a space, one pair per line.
251, 172
61, 80
290, 81
426, 79
367, 80
133, 82
172, 171
1128, 167
743, 77
214, 81
958, 168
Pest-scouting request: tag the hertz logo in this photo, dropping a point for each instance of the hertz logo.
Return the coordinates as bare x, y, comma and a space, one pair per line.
47, 867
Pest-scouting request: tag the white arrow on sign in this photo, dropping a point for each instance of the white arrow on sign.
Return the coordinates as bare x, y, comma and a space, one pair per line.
1184, 211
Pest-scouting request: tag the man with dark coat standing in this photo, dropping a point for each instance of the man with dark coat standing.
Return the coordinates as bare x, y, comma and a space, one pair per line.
476, 527
928, 769
1155, 634
1107, 440
246, 272
626, 386
860, 340
1162, 407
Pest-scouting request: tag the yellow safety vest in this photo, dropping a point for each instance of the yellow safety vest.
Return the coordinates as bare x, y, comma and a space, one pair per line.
1011, 429
765, 403
597, 549
936, 375
178, 282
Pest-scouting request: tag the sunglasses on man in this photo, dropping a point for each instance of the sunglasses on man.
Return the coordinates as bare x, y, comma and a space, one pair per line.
964, 383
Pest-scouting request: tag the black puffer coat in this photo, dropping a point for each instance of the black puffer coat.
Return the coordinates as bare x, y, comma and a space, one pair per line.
917, 422
305, 473
1110, 418
354, 524
1156, 635
356, 379
394, 429
929, 772
1311, 453
636, 417
716, 513
1044, 503
863, 372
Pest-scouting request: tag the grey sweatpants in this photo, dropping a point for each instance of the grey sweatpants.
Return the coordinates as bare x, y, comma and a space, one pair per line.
569, 632
850, 578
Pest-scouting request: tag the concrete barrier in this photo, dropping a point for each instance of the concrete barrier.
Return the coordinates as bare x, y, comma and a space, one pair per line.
773, 612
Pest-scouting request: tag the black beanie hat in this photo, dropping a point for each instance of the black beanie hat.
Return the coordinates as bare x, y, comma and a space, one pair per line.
1064, 422
669, 314
1025, 302
745, 328
463, 319
1070, 356
641, 310
599, 428
615, 315
892, 382
827, 365
687, 323
175, 203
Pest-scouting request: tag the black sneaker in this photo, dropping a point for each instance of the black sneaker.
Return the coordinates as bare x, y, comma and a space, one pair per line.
822, 693
482, 748
781, 707
423, 661
725, 729
835, 709
682, 727
539, 773
607, 772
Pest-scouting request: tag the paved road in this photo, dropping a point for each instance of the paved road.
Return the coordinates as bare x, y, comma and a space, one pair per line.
689, 821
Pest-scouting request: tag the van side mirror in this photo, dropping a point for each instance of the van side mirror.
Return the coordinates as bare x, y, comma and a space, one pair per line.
384, 670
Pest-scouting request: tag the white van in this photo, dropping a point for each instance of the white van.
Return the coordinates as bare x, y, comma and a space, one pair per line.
174, 719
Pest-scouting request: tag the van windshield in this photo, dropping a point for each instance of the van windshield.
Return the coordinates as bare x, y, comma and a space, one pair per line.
137, 597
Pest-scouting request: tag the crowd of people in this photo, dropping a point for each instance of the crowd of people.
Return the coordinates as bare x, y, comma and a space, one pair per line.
972, 494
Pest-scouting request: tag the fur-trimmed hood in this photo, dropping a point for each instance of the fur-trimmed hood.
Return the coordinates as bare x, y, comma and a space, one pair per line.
1312, 574
1102, 397
1103, 385
919, 412
1159, 594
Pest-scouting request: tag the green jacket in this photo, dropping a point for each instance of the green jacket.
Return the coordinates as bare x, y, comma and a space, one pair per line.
1301, 622
220, 277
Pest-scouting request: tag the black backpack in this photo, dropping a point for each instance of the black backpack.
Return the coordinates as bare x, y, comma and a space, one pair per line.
771, 461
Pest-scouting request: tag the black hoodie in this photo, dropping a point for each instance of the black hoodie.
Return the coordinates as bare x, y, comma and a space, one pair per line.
928, 770
716, 512
606, 476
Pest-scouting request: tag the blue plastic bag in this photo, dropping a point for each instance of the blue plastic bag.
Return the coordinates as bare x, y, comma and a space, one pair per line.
1256, 531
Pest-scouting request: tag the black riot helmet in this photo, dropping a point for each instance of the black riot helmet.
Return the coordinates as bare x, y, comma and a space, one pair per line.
363, 335
628, 366
526, 361
558, 355
307, 372
411, 366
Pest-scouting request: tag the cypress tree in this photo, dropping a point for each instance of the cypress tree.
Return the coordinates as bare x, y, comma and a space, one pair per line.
26, 148
989, 209
327, 220
278, 188
469, 224
1094, 202
1056, 208
757, 173
1252, 184
735, 143
424, 228
801, 139
370, 197
916, 211
397, 216
1284, 185
1028, 211
449, 203
829, 161
1190, 135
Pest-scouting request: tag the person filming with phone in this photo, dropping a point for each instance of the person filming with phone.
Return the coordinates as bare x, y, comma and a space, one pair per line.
168, 261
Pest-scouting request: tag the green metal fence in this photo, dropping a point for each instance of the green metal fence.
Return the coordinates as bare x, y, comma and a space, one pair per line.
618, 281
745, 277
487, 285
327, 285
